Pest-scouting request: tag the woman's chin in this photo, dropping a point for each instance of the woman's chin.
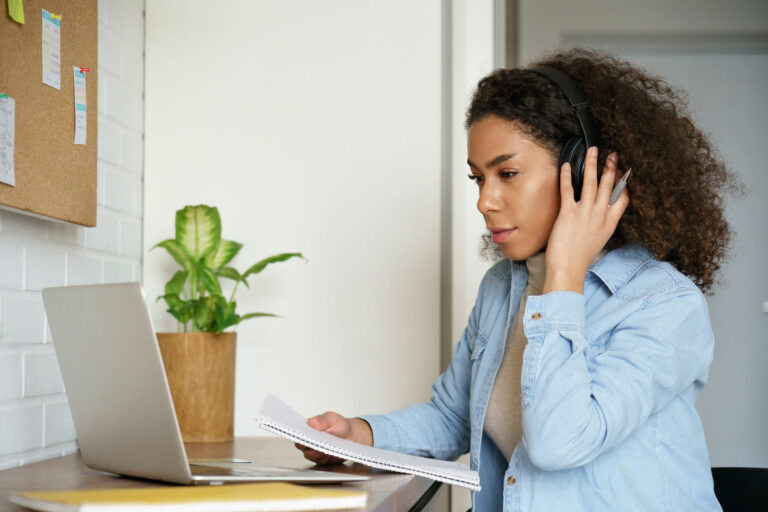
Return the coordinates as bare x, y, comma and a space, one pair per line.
517, 253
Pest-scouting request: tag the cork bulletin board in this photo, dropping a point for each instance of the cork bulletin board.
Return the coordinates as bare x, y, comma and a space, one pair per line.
54, 177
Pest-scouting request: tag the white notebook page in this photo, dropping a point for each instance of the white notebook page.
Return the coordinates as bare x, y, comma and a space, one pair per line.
278, 418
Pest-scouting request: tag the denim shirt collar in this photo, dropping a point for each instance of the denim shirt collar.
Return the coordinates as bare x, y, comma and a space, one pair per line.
617, 267
614, 269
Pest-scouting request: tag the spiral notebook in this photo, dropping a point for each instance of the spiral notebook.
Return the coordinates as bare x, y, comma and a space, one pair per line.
280, 419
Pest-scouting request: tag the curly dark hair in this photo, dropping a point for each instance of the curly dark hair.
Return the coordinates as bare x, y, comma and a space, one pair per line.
679, 181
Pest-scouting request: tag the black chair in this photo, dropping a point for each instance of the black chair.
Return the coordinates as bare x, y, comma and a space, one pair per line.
741, 489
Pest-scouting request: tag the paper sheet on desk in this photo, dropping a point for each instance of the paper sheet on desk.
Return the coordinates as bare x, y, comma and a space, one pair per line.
278, 418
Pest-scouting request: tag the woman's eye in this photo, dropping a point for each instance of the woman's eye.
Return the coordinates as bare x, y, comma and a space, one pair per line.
507, 174
476, 178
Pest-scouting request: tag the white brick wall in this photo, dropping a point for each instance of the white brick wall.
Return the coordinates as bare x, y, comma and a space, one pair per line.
35, 422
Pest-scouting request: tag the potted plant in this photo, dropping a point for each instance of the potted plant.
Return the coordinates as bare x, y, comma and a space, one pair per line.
200, 359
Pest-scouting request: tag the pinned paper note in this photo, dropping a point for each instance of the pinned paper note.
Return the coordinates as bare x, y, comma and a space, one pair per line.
16, 10
52, 49
7, 116
80, 108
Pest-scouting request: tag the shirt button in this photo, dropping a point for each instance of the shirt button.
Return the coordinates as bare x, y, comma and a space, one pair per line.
511, 480
536, 316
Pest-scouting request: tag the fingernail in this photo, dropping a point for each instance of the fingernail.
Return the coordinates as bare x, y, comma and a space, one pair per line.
593, 151
613, 157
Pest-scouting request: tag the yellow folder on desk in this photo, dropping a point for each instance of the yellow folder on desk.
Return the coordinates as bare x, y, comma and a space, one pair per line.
237, 497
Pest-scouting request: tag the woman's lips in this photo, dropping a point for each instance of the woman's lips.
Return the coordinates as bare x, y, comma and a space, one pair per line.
499, 236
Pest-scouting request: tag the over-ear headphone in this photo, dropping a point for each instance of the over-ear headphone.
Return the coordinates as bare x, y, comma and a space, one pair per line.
575, 150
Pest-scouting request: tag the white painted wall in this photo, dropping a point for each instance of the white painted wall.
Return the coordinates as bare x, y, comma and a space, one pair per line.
546, 24
473, 58
35, 422
314, 127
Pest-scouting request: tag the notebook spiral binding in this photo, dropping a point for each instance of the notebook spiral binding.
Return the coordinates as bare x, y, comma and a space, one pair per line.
473, 484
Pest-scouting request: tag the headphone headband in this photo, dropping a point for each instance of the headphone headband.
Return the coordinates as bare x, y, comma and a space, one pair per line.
575, 97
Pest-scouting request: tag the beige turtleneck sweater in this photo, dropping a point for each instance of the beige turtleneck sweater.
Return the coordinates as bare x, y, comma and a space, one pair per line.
503, 416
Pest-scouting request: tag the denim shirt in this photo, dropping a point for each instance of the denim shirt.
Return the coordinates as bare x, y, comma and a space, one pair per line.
609, 381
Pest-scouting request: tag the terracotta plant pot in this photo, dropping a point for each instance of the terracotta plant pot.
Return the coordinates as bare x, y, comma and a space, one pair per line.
201, 374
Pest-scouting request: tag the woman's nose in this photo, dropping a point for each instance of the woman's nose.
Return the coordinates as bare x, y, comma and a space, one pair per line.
490, 199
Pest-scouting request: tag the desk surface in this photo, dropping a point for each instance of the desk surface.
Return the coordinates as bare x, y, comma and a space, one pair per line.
386, 491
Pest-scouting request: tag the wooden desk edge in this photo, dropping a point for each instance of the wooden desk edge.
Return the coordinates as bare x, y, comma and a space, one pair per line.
386, 491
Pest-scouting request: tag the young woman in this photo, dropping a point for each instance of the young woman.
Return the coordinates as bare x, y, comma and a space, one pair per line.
574, 382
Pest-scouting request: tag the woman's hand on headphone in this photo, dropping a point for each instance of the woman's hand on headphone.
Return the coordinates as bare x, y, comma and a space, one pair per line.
582, 228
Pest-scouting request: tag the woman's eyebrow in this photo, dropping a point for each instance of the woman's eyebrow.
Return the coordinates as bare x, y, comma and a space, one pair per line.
496, 161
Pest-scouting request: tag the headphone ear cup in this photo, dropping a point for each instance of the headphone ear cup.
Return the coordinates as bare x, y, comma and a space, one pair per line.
575, 152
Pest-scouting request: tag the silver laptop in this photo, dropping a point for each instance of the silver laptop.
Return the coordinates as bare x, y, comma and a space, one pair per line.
119, 396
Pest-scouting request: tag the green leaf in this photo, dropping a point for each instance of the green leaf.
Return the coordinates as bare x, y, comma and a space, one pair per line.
229, 273
233, 274
179, 309
209, 280
225, 314
185, 312
173, 300
225, 251
258, 267
176, 284
177, 251
204, 314
255, 315
194, 281
198, 230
